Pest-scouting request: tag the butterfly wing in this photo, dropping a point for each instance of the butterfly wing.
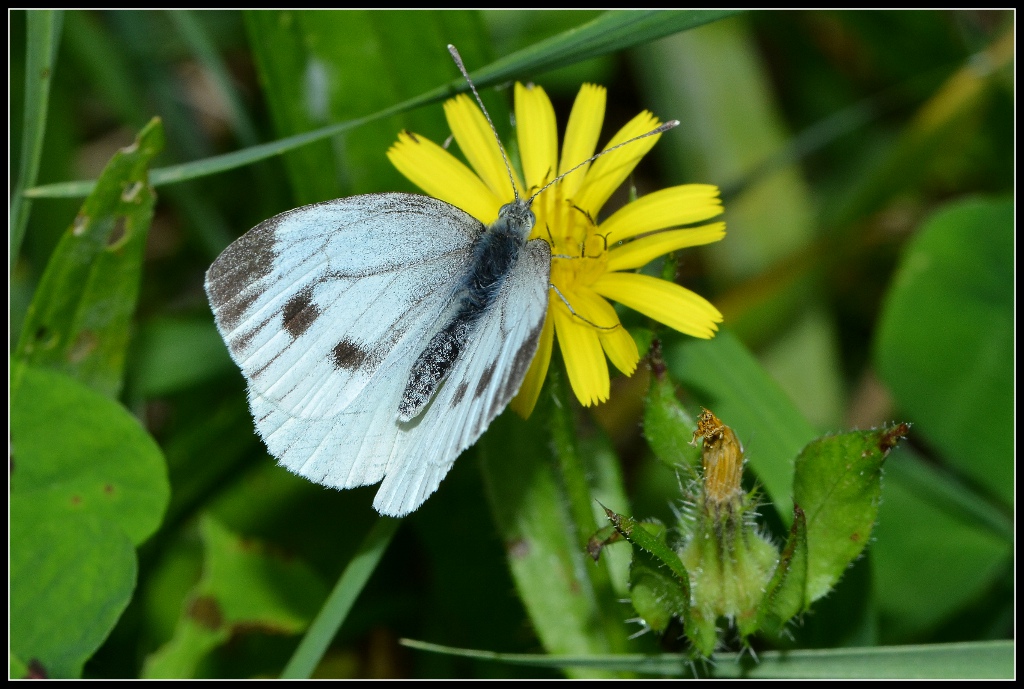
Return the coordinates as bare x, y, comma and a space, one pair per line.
483, 380
324, 308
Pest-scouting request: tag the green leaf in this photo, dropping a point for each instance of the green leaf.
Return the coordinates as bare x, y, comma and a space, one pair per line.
786, 593
43, 39
655, 592
552, 572
244, 588
78, 321
608, 33
946, 339
87, 484
334, 611
929, 559
838, 485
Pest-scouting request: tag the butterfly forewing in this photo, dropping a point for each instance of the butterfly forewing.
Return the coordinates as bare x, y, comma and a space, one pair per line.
314, 302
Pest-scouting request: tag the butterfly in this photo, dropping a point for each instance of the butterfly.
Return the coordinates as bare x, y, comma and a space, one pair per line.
381, 334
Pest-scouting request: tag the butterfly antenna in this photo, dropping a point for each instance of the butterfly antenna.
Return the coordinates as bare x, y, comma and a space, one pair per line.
472, 86
657, 130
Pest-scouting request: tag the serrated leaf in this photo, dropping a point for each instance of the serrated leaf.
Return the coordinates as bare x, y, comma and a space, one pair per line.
946, 339
838, 485
78, 321
87, 484
655, 592
785, 594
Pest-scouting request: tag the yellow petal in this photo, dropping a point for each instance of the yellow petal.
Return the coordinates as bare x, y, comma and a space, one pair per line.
538, 136
608, 172
581, 134
584, 359
477, 143
681, 205
666, 302
640, 252
526, 399
618, 344
441, 175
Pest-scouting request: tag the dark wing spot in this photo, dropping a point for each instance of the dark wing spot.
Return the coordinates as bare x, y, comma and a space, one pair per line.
231, 280
348, 355
460, 392
485, 380
300, 312
521, 362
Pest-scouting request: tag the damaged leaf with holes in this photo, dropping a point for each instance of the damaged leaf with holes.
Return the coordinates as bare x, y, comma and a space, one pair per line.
79, 317
720, 573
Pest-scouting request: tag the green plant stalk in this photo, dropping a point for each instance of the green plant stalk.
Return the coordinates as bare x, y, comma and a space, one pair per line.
327, 623
42, 39
581, 502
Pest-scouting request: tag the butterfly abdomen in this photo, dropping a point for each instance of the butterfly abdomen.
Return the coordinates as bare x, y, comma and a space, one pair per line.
494, 256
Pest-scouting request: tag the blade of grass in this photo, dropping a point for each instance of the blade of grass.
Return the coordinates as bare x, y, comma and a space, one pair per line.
328, 621
988, 659
609, 32
43, 28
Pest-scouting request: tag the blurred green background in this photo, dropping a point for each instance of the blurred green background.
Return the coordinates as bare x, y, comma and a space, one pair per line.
866, 166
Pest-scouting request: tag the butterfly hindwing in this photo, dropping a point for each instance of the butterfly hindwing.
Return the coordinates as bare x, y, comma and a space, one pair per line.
484, 379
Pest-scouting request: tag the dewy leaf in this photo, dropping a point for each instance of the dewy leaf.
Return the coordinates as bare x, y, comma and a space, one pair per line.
786, 592
838, 486
78, 321
243, 588
87, 484
945, 343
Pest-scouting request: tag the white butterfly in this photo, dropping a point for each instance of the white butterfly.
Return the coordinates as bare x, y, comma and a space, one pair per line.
381, 334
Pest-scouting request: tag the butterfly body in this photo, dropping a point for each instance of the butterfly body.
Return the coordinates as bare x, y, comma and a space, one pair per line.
381, 334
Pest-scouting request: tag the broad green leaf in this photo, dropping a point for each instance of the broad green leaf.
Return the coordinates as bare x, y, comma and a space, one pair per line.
87, 484
929, 560
244, 588
71, 578
75, 452
715, 80
785, 595
553, 575
986, 659
78, 321
946, 339
838, 485
724, 377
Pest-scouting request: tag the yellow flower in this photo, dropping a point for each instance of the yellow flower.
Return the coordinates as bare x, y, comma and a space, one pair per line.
591, 262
